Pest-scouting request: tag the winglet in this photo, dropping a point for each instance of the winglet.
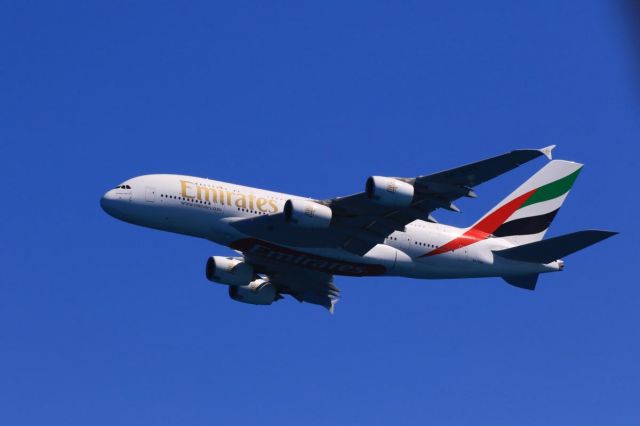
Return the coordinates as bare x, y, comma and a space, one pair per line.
547, 151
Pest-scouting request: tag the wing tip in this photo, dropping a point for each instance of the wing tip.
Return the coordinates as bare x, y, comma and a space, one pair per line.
547, 151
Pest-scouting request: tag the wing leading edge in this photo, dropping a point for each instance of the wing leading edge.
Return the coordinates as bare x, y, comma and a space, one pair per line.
365, 224
358, 224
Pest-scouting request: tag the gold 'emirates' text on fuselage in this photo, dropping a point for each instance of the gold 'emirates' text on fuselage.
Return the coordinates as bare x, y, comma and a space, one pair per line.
194, 191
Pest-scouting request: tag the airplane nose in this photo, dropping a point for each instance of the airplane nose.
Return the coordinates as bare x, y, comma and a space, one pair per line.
107, 202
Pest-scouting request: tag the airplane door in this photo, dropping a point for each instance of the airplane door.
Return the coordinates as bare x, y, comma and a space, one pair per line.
150, 194
406, 242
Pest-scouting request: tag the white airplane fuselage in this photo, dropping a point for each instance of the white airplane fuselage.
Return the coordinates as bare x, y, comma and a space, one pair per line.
206, 208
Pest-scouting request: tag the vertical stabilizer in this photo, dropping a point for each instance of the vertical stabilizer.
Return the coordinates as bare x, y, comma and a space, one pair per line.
525, 215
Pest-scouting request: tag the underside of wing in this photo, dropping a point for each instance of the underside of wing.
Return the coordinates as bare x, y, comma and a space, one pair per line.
302, 284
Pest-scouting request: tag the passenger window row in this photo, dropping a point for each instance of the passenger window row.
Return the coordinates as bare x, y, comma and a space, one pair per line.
418, 243
251, 211
174, 197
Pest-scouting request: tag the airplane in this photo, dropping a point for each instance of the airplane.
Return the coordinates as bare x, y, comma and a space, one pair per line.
292, 245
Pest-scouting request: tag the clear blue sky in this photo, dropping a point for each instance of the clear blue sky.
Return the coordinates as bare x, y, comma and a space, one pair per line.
104, 323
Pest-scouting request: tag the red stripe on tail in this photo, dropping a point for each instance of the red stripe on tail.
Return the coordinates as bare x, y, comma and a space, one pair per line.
485, 227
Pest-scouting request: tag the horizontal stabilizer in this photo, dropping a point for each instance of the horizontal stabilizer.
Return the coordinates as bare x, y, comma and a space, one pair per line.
527, 282
552, 249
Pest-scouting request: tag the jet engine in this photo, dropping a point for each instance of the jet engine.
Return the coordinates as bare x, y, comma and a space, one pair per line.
389, 192
257, 292
307, 214
228, 270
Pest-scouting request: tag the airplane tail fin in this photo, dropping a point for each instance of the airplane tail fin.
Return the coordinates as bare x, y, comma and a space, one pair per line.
526, 214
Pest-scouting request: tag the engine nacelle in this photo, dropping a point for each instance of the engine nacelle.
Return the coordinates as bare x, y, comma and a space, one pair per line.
307, 214
389, 192
228, 270
257, 292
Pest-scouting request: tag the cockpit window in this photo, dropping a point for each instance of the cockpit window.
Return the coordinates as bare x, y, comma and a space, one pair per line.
122, 187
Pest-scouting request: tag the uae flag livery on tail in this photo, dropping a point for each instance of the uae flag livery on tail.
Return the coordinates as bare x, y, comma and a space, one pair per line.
543, 195
525, 215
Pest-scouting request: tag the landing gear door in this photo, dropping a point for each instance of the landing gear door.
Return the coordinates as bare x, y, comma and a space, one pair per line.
150, 194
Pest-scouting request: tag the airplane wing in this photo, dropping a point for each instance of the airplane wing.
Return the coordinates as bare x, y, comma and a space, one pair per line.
358, 224
439, 190
303, 284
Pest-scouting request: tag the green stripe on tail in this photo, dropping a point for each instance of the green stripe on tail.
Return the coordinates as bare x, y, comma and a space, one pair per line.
553, 189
